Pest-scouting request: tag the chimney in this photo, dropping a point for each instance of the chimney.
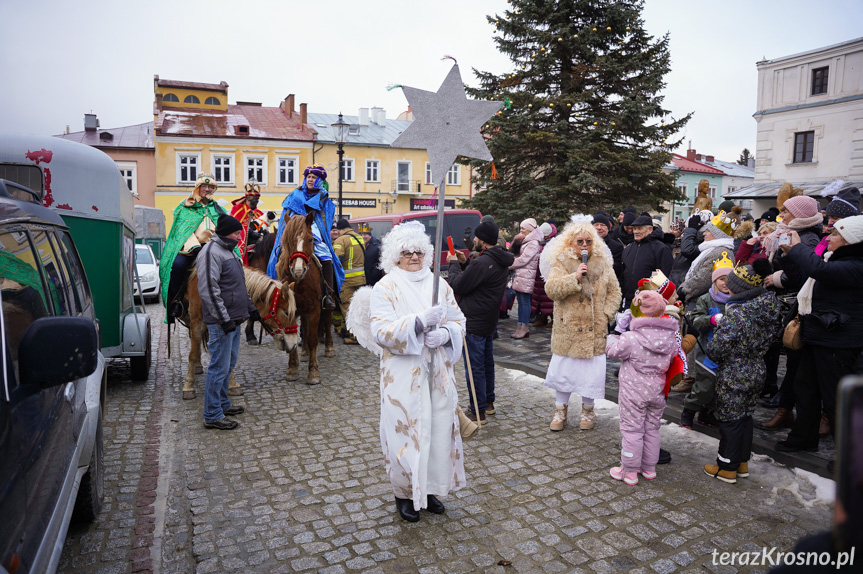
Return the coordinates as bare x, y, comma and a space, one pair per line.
288, 105
382, 118
750, 163
304, 115
364, 116
91, 123
690, 154
709, 158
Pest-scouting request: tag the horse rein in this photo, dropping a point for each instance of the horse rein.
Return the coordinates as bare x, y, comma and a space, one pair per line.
272, 313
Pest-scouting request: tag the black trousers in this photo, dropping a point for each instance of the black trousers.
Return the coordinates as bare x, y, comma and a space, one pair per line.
821, 369
771, 361
179, 271
788, 396
735, 443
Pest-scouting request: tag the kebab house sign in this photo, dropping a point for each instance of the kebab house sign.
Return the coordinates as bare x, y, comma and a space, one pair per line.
430, 204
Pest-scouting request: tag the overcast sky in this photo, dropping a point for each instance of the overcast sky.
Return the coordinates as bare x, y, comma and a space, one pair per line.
62, 59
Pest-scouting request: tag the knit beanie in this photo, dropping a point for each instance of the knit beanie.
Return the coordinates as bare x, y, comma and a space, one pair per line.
343, 224
227, 225
629, 209
485, 218
845, 204
487, 232
529, 224
747, 277
802, 206
647, 304
546, 229
725, 206
720, 272
603, 219
628, 218
850, 228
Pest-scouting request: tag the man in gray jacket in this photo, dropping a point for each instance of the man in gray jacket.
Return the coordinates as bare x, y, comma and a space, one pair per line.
225, 306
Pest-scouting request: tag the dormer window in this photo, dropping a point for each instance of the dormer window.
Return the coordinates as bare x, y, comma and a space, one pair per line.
170, 98
354, 131
106, 136
211, 101
191, 100
242, 130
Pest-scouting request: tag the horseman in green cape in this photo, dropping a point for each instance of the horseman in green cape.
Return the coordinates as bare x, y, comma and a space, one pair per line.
195, 221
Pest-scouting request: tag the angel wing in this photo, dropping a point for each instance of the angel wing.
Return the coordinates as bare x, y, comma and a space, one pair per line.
359, 320
546, 258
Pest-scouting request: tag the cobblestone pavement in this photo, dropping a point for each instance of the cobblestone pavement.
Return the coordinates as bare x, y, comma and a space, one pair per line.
300, 486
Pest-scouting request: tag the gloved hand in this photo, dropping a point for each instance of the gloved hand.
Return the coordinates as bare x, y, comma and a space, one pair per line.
715, 319
436, 338
229, 327
256, 316
695, 222
468, 230
623, 321
432, 316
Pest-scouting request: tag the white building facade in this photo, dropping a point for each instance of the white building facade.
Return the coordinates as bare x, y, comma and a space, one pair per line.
810, 122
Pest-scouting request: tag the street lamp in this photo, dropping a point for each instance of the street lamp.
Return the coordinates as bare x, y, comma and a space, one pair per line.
340, 129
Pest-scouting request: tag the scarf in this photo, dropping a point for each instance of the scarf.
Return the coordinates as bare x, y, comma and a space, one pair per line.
706, 248
718, 296
804, 296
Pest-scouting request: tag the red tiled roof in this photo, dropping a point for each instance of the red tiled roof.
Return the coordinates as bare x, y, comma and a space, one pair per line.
192, 85
139, 136
688, 165
264, 123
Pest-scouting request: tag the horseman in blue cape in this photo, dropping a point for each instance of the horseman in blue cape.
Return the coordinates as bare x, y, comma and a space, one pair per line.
313, 196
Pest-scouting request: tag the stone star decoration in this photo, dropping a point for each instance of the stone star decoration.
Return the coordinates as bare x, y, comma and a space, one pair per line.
447, 125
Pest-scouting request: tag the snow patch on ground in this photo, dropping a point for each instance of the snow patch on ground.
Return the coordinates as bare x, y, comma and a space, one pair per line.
807, 488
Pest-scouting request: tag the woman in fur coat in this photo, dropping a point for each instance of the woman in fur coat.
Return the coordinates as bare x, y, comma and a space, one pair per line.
586, 297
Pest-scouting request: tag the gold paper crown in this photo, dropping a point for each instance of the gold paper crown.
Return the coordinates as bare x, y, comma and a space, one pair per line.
741, 272
724, 262
364, 228
727, 223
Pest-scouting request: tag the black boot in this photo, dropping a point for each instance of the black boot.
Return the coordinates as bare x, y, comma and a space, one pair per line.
405, 506
686, 418
664, 457
434, 505
328, 303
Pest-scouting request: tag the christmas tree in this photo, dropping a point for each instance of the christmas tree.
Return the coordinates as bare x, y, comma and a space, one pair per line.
582, 126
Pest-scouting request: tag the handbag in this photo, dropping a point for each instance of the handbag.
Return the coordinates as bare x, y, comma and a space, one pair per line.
792, 337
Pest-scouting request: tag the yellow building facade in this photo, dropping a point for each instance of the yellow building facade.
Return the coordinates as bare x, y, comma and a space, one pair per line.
198, 131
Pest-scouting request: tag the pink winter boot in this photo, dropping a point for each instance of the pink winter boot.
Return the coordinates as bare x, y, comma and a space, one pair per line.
630, 478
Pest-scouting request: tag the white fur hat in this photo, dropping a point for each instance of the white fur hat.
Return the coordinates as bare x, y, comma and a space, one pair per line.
850, 228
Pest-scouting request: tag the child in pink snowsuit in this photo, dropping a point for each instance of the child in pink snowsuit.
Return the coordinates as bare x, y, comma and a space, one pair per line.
645, 352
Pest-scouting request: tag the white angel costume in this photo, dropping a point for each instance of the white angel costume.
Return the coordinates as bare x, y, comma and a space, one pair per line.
419, 425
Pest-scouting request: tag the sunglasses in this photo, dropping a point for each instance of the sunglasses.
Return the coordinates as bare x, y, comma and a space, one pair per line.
409, 254
584, 241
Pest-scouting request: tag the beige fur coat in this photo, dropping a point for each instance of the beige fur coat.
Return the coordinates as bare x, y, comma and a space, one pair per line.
583, 307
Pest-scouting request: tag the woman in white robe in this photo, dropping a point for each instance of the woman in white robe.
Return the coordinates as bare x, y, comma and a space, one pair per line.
420, 434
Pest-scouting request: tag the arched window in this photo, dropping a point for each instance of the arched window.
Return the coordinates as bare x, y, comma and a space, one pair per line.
170, 98
211, 101
192, 100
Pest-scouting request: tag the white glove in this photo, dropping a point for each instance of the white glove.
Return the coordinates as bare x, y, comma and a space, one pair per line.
432, 316
436, 338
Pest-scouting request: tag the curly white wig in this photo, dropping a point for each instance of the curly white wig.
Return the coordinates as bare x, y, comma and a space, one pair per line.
407, 236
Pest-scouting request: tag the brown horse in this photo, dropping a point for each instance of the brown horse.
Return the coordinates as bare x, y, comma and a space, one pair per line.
275, 302
297, 263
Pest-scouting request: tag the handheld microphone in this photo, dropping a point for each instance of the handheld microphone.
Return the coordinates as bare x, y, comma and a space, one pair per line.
584, 256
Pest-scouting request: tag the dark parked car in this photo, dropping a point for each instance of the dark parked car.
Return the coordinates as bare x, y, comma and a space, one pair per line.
53, 386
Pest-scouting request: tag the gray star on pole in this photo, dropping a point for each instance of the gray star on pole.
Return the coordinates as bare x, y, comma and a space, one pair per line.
447, 124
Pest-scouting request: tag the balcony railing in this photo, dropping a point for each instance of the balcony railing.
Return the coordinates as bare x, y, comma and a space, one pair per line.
406, 186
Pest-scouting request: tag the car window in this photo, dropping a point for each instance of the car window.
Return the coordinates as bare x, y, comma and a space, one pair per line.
24, 292
380, 228
142, 255
56, 285
457, 222
67, 283
76, 268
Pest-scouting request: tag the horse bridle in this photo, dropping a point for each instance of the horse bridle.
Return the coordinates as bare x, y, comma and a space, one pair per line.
272, 313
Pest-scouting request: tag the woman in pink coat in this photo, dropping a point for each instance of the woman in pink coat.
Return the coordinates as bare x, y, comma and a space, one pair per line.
645, 352
525, 274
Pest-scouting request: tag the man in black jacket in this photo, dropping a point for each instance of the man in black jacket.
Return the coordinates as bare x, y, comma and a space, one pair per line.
478, 285
373, 255
602, 224
645, 254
